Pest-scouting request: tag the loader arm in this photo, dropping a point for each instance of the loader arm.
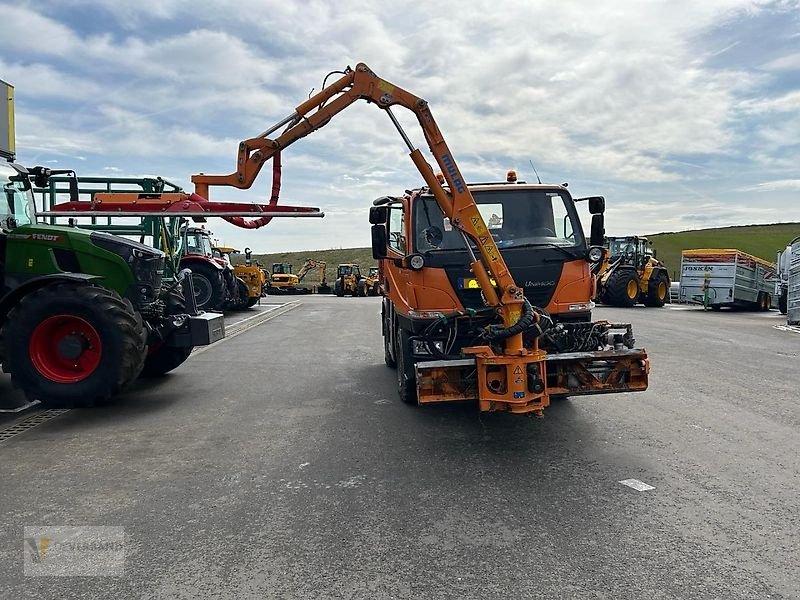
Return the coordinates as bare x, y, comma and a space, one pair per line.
456, 202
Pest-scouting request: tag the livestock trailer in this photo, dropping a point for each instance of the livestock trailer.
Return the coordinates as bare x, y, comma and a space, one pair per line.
793, 292
726, 277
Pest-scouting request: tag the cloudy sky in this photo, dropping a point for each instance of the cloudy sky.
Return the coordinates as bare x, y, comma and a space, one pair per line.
684, 114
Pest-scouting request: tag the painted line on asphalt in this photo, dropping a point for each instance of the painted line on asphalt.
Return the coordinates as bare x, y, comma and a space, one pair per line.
247, 324
791, 328
639, 486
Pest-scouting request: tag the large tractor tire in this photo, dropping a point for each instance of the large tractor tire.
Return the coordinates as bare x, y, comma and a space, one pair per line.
209, 287
338, 287
657, 290
162, 358
252, 301
73, 345
406, 373
361, 289
783, 302
240, 302
622, 288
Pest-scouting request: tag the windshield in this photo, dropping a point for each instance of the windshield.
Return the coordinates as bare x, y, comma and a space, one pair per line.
197, 243
525, 217
621, 248
280, 269
16, 205
346, 270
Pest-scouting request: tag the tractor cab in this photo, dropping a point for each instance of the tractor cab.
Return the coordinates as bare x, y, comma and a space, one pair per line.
632, 250
197, 242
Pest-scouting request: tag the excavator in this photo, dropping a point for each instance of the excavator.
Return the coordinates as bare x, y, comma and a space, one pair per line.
311, 264
456, 324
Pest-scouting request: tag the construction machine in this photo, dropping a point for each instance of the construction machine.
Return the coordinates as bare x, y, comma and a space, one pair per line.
632, 274
321, 266
459, 321
248, 277
84, 313
371, 284
348, 280
284, 281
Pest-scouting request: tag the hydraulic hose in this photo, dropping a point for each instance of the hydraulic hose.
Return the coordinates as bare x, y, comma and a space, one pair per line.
273, 200
533, 319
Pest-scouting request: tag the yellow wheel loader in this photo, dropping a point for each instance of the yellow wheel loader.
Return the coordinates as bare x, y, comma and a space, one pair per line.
631, 274
371, 284
348, 278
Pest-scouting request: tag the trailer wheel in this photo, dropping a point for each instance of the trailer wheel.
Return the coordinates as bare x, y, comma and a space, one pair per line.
783, 302
622, 288
657, 290
209, 288
406, 375
73, 345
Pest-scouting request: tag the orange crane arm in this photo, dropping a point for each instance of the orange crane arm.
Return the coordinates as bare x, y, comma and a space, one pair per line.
456, 201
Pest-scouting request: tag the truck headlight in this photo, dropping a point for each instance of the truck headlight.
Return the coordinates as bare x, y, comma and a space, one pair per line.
595, 254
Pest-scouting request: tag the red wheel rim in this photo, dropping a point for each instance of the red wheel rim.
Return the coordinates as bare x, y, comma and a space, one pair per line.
65, 349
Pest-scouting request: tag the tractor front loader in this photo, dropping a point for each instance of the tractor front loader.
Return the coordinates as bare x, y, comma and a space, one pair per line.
84, 313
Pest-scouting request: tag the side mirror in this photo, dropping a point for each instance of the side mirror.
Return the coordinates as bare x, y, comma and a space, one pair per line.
74, 196
597, 205
598, 230
378, 215
378, 241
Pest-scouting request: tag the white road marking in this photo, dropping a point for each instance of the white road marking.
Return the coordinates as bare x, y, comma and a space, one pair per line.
639, 486
791, 328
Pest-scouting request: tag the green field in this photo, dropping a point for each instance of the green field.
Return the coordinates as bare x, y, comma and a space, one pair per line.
359, 256
761, 240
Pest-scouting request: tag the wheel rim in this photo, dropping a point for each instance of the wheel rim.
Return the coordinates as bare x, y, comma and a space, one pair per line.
633, 289
202, 289
65, 349
662, 290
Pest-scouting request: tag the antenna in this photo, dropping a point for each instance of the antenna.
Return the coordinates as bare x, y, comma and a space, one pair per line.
539, 179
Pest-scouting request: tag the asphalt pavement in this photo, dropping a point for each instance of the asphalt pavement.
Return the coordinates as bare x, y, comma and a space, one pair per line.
280, 464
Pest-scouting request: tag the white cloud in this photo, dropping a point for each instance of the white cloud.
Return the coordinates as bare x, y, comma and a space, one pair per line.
616, 98
780, 184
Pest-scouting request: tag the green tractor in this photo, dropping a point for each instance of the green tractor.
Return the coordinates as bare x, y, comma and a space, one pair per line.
84, 313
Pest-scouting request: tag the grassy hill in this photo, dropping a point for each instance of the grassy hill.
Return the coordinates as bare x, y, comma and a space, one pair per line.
360, 256
761, 240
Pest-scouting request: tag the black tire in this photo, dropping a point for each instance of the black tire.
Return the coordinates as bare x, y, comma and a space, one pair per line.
406, 375
783, 302
252, 301
361, 289
619, 288
165, 359
338, 288
388, 356
209, 287
657, 290
240, 302
376, 289
104, 321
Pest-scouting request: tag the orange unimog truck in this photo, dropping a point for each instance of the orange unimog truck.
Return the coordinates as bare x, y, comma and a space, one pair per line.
438, 328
